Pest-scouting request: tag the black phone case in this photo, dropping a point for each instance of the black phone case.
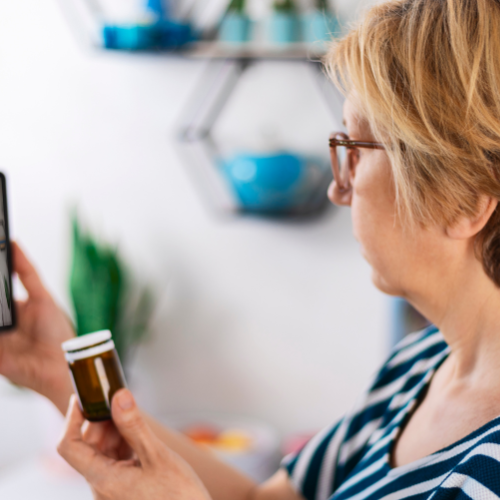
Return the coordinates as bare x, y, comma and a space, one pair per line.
8, 250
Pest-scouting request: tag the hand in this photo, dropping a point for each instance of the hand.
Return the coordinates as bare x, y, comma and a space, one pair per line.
145, 468
31, 355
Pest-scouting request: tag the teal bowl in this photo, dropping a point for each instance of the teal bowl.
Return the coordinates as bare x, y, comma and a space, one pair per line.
266, 183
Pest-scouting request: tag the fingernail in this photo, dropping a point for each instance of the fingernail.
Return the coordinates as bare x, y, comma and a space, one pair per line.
71, 402
125, 400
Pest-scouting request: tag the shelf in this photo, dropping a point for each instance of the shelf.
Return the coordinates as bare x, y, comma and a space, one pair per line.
226, 64
251, 51
293, 52
200, 151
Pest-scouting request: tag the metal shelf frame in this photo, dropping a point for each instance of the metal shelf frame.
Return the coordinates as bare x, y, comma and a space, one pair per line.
227, 64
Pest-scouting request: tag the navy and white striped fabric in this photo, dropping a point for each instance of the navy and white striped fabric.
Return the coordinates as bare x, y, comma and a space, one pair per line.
351, 459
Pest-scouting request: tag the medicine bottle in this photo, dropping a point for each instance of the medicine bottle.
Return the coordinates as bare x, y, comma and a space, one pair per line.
96, 372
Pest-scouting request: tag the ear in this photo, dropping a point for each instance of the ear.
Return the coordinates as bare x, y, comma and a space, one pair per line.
466, 227
338, 196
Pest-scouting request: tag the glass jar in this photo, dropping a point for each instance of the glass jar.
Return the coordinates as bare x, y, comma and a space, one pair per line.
96, 373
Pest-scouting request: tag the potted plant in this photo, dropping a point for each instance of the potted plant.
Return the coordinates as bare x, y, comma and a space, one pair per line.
284, 22
105, 296
235, 25
321, 24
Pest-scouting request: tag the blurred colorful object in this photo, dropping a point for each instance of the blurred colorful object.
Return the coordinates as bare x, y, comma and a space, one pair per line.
276, 182
249, 445
103, 296
164, 34
228, 440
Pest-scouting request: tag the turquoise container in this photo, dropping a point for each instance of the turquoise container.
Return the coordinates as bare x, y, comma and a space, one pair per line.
269, 183
235, 28
284, 28
129, 37
320, 26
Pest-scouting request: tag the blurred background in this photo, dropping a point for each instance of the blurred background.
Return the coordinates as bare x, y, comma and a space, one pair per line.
259, 314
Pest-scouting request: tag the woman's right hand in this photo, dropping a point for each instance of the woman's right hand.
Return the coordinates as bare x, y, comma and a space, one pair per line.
31, 355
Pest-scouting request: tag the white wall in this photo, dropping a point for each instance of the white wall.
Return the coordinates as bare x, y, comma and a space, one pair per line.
274, 320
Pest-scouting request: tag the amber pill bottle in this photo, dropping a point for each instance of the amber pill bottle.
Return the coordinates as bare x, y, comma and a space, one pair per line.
96, 372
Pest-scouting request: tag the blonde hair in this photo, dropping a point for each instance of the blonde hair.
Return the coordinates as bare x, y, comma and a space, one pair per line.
427, 74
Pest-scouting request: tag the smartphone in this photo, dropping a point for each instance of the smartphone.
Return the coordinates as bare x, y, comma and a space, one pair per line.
7, 312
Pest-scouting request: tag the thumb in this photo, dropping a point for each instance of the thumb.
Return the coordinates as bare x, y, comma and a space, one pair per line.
27, 274
131, 425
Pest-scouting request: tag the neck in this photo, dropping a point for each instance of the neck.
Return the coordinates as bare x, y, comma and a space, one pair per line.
466, 309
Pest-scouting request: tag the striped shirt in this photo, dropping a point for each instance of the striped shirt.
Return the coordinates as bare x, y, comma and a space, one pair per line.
351, 460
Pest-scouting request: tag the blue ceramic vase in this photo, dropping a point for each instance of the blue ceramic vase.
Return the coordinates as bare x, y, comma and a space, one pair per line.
234, 28
284, 28
320, 26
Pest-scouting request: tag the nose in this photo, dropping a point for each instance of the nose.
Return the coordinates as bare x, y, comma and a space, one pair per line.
339, 196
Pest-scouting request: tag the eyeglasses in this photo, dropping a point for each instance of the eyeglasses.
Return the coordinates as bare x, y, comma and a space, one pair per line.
345, 158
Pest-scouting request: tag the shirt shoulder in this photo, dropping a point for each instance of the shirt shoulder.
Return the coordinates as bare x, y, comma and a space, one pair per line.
321, 466
477, 472
420, 347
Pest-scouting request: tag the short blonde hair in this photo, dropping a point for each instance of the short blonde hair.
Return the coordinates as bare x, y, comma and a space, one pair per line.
427, 74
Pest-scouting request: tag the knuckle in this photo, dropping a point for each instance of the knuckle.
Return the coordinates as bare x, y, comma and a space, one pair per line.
133, 422
62, 447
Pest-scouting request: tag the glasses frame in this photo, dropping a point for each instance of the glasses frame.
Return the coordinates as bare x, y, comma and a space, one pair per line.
341, 139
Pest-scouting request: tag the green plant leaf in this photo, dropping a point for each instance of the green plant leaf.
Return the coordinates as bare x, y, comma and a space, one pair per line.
286, 6
100, 291
237, 6
322, 5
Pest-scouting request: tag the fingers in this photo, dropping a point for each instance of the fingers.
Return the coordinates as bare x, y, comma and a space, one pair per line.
133, 428
95, 433
81, 456
104, 437
27, 274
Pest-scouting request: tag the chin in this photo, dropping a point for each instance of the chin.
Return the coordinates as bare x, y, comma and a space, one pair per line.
385, 285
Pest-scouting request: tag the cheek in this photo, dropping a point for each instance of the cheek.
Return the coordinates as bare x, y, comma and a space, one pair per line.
365, 229
366, 217
379, 245
373, 227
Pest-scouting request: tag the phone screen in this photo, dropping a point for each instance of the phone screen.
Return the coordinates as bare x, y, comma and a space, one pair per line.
7, 313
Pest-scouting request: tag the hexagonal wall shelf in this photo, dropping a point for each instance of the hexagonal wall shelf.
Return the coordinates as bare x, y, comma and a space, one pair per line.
249, 183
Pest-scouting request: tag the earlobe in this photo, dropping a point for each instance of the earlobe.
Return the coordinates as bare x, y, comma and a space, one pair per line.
338, 196
467, 227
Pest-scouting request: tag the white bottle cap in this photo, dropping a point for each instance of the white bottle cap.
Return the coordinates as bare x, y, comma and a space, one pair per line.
87, 340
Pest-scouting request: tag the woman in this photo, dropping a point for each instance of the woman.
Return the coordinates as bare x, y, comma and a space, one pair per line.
421, 173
